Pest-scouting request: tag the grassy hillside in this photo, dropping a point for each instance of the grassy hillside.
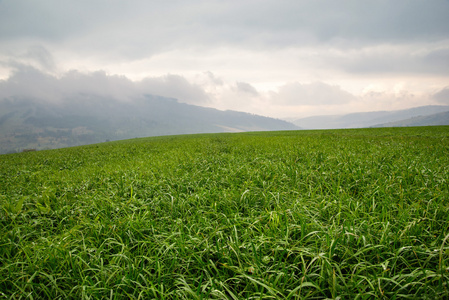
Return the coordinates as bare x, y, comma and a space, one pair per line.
359, 213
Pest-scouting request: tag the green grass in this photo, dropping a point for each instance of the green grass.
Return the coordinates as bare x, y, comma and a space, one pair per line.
349, 214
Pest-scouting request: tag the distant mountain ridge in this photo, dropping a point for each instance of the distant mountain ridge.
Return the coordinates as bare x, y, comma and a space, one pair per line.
370, 119
431, 120
84, 119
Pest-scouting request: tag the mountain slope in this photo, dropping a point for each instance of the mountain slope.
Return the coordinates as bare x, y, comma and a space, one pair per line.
84, 119
366, 119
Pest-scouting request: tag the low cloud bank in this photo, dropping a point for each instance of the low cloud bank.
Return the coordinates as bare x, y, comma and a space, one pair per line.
29, 82
292, 99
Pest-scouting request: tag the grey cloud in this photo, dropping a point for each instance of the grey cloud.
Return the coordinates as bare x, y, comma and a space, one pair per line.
246, 88
307, 22
442, 96
29, 82
41, 56
438, 60
214, 79
418, 59
111, 28
35, 56
97, 83
323, 38
317, 93
48, 20
140, 28
175, 86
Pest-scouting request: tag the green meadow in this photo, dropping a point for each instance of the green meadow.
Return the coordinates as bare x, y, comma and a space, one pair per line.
339, 214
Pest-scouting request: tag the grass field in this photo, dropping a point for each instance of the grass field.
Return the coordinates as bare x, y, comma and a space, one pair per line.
349, 214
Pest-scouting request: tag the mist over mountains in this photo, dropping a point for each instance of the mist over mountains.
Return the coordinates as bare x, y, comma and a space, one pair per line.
83, 118
27, 123
430, 120
418, 116
41, 111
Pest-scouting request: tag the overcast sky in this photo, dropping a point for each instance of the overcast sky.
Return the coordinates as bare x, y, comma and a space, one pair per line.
277, 58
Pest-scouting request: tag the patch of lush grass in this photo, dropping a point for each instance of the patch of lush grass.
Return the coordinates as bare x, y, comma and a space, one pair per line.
355, 214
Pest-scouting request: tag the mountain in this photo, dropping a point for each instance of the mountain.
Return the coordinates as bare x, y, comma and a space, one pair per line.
84, 119
367, 119
431, 120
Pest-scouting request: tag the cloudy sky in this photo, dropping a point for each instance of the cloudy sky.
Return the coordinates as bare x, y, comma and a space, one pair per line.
277, 58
